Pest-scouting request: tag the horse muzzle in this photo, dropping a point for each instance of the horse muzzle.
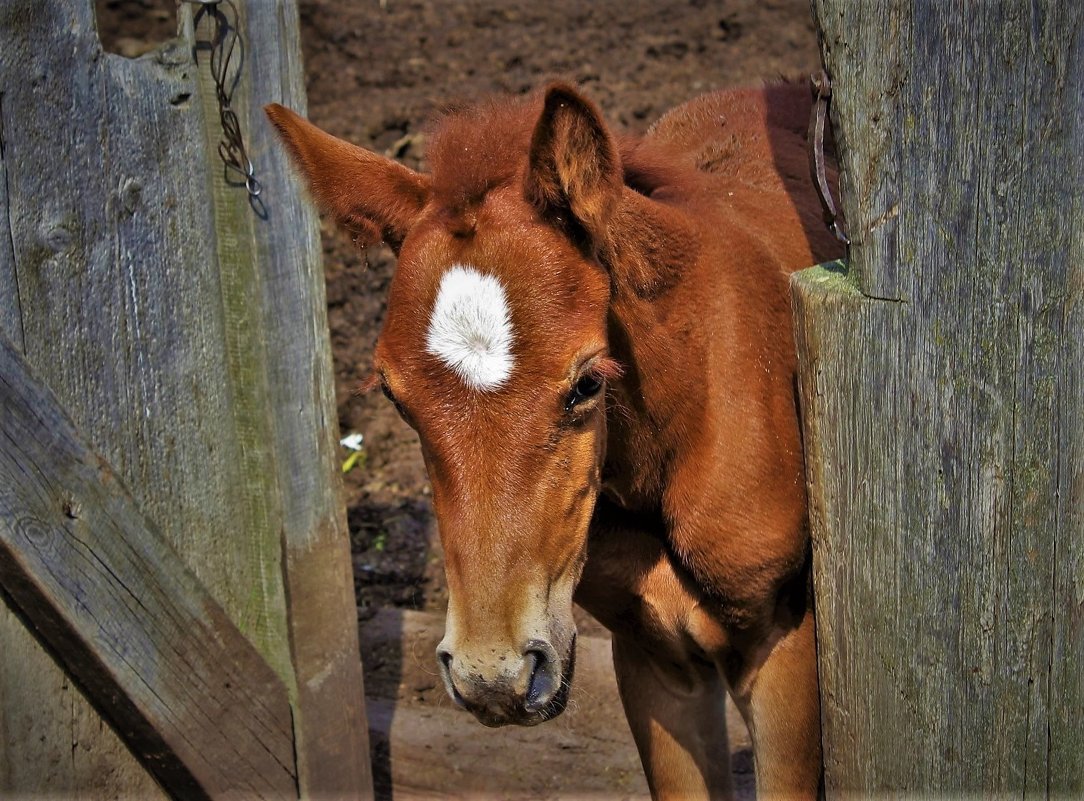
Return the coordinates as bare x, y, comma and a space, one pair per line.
502, 686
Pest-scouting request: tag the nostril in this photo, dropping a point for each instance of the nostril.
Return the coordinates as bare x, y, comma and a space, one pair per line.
543, 683
444, 660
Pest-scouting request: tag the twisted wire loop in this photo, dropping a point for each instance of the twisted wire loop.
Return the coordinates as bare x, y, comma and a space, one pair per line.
225, 45
821, 87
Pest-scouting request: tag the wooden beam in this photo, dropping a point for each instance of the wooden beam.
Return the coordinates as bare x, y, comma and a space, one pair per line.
332, 742
151, 649
942, 380
186, 336
124, 314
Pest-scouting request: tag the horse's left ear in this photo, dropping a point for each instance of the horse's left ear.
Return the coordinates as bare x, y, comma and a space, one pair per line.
574, 171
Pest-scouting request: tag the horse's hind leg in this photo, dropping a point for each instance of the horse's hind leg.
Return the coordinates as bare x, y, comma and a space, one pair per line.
678, 719
780, 702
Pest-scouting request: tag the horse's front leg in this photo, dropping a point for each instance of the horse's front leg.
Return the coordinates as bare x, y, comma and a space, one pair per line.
777, 694
674, 697
678, 719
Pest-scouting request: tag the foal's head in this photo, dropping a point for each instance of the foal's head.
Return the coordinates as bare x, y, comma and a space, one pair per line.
495, 351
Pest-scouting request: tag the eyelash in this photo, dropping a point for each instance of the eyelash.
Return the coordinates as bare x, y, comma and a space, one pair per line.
394, 401
588, 386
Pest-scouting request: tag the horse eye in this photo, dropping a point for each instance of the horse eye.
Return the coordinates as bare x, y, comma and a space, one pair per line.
587, 387
394, 400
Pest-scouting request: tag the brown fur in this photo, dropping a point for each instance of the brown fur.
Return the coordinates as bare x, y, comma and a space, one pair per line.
674, 505
473, 151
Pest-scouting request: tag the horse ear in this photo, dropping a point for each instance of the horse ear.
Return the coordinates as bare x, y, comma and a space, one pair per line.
372, 197
573, 167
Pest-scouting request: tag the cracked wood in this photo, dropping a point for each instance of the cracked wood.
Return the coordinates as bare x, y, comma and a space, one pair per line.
200, 372
184, 689
945, 430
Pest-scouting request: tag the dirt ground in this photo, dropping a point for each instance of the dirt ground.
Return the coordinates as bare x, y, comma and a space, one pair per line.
376, 70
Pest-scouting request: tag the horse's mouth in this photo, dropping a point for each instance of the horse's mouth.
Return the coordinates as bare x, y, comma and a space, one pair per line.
526, 714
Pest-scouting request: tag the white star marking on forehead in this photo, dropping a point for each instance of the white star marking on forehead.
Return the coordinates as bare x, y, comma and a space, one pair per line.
470, 329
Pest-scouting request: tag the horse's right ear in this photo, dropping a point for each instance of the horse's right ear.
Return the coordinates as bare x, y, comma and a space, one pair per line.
574, 170
372, 197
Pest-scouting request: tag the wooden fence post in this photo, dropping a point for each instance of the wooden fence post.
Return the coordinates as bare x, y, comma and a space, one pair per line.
187, 338
942, 380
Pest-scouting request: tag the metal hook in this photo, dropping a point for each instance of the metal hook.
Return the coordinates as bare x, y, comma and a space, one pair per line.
821, 86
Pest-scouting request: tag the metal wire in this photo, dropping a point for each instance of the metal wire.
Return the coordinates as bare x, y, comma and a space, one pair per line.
225, 45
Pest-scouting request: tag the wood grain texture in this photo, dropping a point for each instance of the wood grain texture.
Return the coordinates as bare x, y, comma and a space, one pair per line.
9, 289
64, 199
132, 625
941, 380
333, 744
120, 294
187, 338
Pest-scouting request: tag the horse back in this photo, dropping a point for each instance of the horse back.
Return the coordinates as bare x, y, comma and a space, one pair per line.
750, 143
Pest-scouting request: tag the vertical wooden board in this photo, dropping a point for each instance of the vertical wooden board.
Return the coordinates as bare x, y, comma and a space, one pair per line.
119, 286
54, 743
848, 446
963, 192
10, 321
173, 383
48, 768
1067, 660
332, 748
868, 121
242, 340
177, 410
1066, 687
237, 398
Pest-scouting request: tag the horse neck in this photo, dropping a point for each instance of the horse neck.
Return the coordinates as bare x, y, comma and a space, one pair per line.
654, 408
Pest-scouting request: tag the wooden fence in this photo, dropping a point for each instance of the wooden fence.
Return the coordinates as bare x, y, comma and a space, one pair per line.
943, 391
170, 521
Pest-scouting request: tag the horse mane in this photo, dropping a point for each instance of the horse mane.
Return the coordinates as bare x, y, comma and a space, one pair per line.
475, 148
478, 147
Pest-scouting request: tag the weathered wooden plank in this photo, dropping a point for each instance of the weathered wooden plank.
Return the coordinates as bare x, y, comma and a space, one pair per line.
58, 191
159, 309
121, 301
183, 687
942, 401
53, 770
333, 744
9, 290
242, 343
1066, 755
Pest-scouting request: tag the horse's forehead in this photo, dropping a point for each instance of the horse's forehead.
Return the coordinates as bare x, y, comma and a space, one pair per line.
484, 309
484, 326
471, 329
